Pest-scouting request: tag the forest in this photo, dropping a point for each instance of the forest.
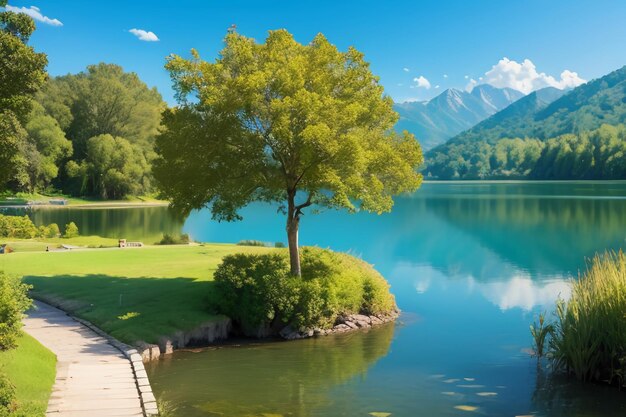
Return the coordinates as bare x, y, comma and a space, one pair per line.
595, 154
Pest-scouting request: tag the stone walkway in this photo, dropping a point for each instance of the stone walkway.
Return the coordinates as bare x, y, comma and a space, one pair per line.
93, 378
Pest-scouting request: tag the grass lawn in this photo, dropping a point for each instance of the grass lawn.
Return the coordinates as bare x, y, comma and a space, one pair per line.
40, 244
10, 199
31, 368
164, 288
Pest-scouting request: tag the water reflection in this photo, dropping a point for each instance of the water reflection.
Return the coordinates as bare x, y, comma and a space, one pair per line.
273, 379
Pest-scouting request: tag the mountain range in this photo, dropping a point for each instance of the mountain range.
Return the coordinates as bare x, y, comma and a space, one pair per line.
435, 121
544, 128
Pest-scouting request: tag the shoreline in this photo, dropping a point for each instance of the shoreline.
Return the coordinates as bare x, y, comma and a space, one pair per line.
94, 205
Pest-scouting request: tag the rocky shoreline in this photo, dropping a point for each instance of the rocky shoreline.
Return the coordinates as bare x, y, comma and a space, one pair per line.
208, 333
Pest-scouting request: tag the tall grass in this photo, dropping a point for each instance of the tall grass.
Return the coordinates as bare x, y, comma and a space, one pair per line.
540, 332
589, 338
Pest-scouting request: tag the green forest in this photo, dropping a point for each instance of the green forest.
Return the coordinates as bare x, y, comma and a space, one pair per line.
88, 134
549, 134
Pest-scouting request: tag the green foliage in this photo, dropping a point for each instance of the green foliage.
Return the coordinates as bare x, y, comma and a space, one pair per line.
14, 302
47, 148
596, 154
279, 245
172, 240
540, 332
258, 291
7, 396
248, 242
71, 230
22, 72
112, 168
278, 122
53, 231
20, 227
589, 339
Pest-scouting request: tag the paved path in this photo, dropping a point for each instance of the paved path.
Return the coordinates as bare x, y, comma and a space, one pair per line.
93, 379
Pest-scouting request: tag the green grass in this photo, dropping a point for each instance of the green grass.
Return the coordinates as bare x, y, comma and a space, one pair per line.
10, 199
133, 294
589, 337
40, 244
31, 368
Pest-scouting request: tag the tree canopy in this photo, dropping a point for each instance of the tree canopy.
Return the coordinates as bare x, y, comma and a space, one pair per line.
283, 122
22, 72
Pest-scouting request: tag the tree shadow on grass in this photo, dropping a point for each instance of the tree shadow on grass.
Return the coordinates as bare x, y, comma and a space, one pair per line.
130, 309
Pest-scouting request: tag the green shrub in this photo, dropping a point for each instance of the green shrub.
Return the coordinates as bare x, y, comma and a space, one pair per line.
257, 290
14, 302
7, 396
251, 243
279, 245
71, 230
20, 227
589, 338
171, 240
53, 230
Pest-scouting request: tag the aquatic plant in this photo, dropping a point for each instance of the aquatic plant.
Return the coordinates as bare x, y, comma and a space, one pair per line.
589, 338
540, 332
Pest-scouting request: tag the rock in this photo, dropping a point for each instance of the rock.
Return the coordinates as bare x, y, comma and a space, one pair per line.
351, 324
166, 346
375, 320
148, 352
361, 318
341, 328
289, 333
318, 332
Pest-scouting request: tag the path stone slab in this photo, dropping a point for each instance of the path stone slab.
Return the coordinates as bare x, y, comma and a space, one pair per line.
93, 378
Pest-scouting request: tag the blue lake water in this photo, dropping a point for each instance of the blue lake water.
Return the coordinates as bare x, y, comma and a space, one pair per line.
471, 266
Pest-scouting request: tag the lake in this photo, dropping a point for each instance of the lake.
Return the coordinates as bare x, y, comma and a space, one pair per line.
471, 266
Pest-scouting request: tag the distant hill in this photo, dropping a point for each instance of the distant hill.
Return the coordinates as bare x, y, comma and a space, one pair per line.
435, 121
539, 122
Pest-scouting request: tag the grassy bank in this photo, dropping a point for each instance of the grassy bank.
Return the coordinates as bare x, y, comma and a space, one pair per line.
31, 369
19, 199
40, 244
133, 294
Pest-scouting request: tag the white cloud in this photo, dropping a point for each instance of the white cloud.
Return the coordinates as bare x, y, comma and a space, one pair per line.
470, 85
466, 77
522, 292
143, 35
524, 77
437, 86
422, 82
35, 13
445, 75
405, 69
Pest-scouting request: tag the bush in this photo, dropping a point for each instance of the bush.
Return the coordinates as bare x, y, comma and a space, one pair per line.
7, 396
53, 230
20, 227
251, 243
14, 302
71, 230
171, 240
258, 292
589, 338
279, 245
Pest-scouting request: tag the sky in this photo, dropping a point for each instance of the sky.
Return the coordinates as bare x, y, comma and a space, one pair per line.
417, 48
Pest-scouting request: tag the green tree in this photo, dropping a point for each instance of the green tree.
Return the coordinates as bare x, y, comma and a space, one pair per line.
22, 72
47, 148
282, 122
71, 230
112, 168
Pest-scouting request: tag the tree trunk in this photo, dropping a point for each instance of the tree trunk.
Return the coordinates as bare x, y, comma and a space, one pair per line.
293, 221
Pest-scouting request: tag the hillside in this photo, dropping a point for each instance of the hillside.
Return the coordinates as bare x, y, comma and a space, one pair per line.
453, 111
511, 142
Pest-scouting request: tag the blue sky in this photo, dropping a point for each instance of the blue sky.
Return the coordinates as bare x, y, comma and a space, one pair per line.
411, 45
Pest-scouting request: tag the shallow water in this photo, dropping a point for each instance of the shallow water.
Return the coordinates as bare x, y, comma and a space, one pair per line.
471, 265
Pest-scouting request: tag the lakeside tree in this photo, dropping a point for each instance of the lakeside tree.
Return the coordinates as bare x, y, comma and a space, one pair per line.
22, 72
298, 125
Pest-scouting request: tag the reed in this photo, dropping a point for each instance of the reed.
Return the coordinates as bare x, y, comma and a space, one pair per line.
589, 338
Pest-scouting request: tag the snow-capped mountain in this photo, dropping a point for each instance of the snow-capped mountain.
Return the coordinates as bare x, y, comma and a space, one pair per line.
453, 111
